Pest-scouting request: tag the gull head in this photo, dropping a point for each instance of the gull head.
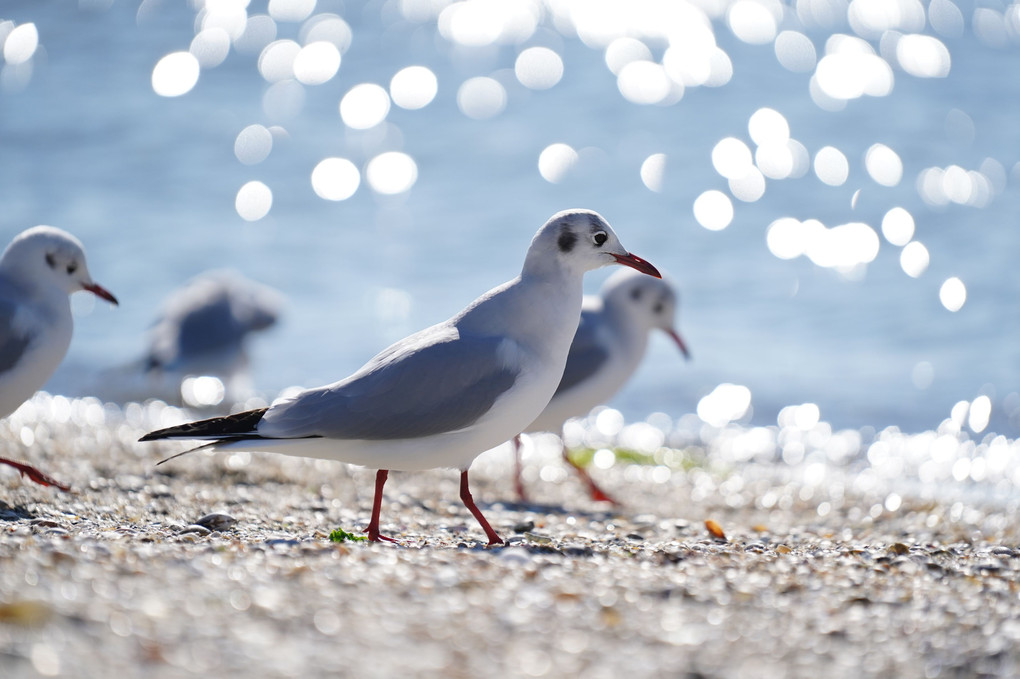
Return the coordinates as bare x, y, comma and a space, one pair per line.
578, 241
45, 257
645, 302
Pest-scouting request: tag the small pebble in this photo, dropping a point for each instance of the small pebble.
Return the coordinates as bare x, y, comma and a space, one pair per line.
538, 537
195, 529
218, 522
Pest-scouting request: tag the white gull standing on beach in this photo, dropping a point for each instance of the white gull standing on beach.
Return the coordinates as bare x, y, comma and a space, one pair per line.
608, 347
39, 270
444, 395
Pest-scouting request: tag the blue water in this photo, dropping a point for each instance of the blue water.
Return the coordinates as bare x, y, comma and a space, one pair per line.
148, 183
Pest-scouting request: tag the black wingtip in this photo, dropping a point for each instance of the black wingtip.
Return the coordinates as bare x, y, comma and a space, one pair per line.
227, 426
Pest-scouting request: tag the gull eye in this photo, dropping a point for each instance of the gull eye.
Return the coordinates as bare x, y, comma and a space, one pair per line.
635, 294
51, 260
72, 267
600, 238
658, 307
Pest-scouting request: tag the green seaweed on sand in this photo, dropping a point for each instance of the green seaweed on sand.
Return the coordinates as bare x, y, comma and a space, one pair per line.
676, 459
340, 535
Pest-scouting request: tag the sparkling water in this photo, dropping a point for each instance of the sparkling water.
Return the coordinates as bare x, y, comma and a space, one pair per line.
833, 185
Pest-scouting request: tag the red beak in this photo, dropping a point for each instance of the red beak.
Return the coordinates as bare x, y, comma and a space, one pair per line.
635, 262
100, 291
680, 343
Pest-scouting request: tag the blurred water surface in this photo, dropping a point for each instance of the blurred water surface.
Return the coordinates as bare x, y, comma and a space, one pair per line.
832, 184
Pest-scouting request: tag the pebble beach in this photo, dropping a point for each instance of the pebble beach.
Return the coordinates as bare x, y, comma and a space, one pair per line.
712, 566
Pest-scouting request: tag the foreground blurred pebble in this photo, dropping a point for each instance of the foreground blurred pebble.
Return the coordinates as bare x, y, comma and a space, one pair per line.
610, 343
38, 272
442, 396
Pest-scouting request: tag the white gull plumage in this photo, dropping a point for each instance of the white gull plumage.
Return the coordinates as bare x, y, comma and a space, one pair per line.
39, 270
442, 396
610, 342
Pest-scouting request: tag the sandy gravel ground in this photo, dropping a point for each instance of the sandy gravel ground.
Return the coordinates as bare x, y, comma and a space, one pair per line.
811, 580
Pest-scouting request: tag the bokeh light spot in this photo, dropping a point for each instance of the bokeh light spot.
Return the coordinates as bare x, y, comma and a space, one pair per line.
555, 161
883, 165
713, 210
326, 27
258, 32
752, 22
202, 391
623, 51
923, 56
914, 259
481, 98
979, 414
898, 226
538, 68
731, 158
413, 87
317, 63
795, 52
211, 47
953, 294
652, 170
364, 106
291, 10
335, 179
175, 74
253, 201
726, 403
276, 62
750, 187
831, 166
785, 238
644, 82
768, 126
853, 71
391, 173
21, 44
253, 144
776, 161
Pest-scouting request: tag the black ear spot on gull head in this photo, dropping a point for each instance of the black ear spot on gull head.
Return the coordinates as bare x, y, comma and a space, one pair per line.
566, 240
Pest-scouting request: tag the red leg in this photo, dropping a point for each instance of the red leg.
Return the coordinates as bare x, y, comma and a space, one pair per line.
597, 493
35, 474
518, 481
373, 525
465, 496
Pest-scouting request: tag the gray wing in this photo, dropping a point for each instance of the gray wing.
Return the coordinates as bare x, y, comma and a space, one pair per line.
13, 342
586, 355
429, 389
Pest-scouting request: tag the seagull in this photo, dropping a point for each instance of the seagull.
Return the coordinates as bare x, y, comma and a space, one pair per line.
442, 396
204, 327
39, 270
610, 342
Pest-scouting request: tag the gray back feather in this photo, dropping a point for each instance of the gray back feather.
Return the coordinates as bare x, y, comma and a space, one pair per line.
438, 388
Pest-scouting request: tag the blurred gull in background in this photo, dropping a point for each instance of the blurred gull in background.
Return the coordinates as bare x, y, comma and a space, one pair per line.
39, 270
610, 343
203, 333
